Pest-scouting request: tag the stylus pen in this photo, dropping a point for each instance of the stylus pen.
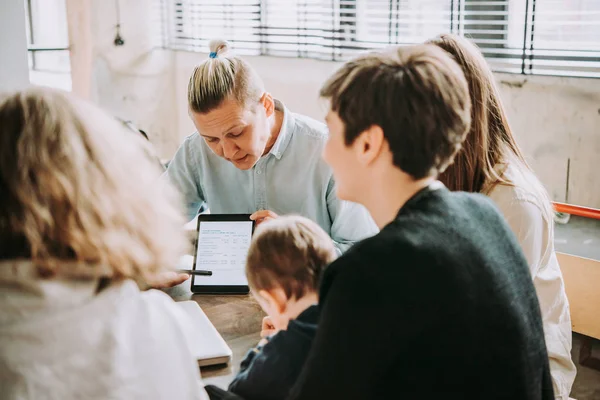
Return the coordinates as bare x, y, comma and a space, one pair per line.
201, 272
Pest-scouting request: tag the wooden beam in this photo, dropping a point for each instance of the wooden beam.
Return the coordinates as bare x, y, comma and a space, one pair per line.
81, 46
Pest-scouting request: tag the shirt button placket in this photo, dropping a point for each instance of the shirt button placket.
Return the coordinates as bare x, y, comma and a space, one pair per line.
261, 187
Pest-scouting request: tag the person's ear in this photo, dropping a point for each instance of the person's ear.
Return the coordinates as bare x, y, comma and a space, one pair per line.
268, 103
276, 298
369, 145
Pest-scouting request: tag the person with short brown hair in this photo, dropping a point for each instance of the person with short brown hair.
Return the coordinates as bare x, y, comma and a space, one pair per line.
423, 132
440, 303
285, 262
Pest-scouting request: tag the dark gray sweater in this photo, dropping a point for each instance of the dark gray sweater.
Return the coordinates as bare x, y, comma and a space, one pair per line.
439, 305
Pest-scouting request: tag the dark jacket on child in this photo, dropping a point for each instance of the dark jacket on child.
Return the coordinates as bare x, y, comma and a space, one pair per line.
270, 371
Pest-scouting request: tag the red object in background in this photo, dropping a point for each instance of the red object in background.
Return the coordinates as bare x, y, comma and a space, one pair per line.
586, 212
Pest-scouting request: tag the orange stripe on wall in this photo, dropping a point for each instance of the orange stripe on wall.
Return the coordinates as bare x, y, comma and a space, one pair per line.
580, 211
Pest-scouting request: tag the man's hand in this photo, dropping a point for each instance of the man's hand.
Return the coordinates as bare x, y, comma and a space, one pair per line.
167, 279
262, 216
268, 328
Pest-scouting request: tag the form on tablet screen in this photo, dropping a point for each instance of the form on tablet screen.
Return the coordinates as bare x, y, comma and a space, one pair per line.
222, 248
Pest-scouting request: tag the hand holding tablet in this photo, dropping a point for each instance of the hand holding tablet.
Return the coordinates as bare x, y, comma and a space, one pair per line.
221, 249
263, 216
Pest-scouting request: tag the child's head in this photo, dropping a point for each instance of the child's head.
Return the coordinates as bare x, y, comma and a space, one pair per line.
490, 140
406, 109
284, 266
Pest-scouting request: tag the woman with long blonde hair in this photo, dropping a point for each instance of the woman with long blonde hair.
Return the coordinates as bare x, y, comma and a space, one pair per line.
83, 225
491, 162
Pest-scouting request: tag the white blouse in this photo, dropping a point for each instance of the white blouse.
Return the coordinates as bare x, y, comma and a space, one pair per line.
59, 339
523, 211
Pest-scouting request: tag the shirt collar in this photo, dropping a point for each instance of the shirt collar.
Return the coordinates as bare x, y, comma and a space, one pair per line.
434, 186
310, 315
287, 129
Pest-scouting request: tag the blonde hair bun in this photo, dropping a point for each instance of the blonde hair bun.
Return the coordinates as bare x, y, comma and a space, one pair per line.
220, 76
219, 47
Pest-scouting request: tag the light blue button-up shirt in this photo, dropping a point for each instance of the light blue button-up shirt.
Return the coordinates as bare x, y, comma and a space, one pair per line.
291, 179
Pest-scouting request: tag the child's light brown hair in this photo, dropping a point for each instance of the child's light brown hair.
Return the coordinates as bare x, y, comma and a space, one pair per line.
290, 253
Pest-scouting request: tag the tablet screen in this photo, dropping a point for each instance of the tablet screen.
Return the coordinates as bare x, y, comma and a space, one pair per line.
222, 248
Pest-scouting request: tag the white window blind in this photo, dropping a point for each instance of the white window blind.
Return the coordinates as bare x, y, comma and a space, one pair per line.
552, 37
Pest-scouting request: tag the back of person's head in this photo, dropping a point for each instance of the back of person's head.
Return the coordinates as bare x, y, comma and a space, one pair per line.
79, 194
417, 95
288, 253
490, 143
221, 77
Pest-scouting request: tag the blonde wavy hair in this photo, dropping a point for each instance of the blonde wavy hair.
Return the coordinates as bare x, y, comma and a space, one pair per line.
221, 76
80, 193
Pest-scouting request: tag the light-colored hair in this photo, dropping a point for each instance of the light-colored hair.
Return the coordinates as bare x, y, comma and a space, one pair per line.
291, 253
417, 95
490, 144
77, 189
222, 76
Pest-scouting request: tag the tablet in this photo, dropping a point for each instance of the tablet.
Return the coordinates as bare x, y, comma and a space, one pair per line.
221, 247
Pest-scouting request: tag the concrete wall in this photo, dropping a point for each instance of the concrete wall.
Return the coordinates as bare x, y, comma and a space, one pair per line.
557, 122
14, 70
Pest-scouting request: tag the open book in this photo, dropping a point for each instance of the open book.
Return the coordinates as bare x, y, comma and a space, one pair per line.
209, 347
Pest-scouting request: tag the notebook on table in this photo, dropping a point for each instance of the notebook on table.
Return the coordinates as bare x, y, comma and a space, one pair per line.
210, 348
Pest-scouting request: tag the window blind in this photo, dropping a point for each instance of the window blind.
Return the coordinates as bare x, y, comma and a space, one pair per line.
47, 37
549, 37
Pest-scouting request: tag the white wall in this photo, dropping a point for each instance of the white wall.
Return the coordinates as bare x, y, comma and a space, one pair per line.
134, 81
14, 69
554, 119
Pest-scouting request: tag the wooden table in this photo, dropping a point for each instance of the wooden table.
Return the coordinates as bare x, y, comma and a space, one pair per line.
238, 319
